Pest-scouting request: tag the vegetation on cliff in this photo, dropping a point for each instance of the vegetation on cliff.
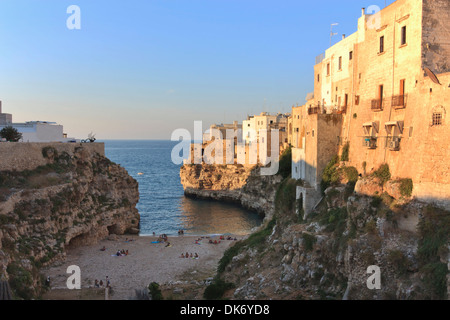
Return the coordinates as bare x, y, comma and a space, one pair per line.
72, 200
326, 256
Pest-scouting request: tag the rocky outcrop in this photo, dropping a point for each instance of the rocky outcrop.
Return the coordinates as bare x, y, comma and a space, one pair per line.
75, 199
328, 256
231, 183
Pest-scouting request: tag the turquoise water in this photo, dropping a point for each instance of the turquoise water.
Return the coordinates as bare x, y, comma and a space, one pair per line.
162, 205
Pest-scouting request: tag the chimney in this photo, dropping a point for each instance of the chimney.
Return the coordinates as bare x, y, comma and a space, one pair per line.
343, 36
363, 11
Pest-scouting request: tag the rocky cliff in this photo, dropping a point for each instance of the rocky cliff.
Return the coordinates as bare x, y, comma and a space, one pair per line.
74, 199
231, 183
327, 256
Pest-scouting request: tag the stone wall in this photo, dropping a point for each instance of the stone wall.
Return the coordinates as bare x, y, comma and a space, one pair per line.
28, 156
436, 34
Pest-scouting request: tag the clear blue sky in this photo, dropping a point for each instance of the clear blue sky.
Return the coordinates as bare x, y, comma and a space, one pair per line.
141, 69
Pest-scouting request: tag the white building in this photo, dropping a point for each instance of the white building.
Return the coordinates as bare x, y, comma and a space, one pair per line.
264, 122
35, 131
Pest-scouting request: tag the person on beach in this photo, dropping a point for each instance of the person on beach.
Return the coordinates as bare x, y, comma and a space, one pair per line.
96, 285
101, 283
196, 256
182, 255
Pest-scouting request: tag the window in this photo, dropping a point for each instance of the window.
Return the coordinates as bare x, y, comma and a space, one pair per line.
380, 92
318, 78
357, 100
402, 87
403, 42
381, 44
345, 100
350, 55
340, 63
328, 69
437, 119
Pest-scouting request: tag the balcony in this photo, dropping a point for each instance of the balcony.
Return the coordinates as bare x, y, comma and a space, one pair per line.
313, 110
370, 142
377, 105
341, 110
399, 102
393, 143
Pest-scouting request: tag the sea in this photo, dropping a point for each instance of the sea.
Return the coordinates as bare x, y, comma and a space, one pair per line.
163, 208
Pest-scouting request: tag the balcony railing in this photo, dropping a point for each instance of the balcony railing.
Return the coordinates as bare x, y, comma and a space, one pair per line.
399, 102
370, 142
320, 58
313, 110
341, 110
377, 104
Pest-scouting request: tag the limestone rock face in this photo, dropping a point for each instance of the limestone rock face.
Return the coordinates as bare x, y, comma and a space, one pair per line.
231, 183
74, 200
369, 186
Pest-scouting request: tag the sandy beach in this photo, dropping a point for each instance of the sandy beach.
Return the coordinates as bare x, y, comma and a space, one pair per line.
146, 262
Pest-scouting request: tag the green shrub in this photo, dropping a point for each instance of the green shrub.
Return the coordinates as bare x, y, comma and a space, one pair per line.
21, 281
308, 241
434, 230
49, 152
285, 169
383, 173
345, 152
398, 260
406, 187
216, 289
330, 174
155, 291
285, 196
352, 174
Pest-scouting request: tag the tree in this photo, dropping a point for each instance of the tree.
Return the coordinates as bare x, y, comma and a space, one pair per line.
286, 163
10, 134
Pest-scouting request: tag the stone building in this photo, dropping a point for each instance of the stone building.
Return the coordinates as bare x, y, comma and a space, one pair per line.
254, 126
390, 82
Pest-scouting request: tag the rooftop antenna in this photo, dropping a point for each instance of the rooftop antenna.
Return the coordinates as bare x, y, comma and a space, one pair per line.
331, 31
